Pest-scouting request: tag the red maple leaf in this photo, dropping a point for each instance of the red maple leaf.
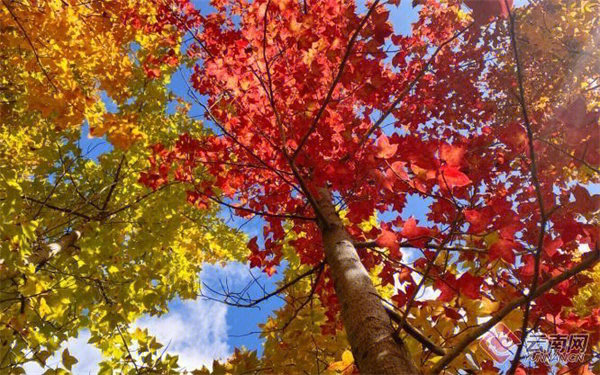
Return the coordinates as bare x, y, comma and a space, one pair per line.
447, 292
503, 249
417, 235
388, 239
385, 150
451, 177
469, 285
552, 246
452, 155
486, 10
479, 219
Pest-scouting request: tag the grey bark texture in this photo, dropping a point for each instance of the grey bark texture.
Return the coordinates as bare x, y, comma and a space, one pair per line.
47, 252
368, 326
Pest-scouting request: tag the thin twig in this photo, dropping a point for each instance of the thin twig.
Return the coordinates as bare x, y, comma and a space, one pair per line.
35, 53
335, 80
114, 184
273, 293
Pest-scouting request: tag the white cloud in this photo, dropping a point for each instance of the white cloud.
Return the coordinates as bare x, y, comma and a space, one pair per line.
87, 355
237, 274
195, 330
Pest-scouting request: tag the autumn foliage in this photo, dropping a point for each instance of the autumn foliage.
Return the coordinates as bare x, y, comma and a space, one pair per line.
485, 113
319, 96
76, 226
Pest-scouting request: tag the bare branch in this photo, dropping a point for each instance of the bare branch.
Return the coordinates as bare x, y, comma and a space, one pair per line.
114, 184
407, 244
273, 293
259, 213
536, 184
56, 208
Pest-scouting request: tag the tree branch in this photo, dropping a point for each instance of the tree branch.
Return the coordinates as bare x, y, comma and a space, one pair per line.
114, 184
259, 213
268, 295
56, 208
415, 333
568, 154
536, 184
335, 80
407, 244
35, 53
458, 348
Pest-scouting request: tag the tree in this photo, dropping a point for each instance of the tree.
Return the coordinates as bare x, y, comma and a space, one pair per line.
83, 245
316, 114
323, 122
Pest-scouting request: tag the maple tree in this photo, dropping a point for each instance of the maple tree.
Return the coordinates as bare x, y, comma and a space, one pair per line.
319, 110
323, 121
84, 246
59, 57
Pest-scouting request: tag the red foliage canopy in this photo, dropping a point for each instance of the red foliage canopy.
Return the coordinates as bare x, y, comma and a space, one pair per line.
311, 96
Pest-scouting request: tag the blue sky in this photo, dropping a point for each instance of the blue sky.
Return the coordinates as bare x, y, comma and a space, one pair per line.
202, 330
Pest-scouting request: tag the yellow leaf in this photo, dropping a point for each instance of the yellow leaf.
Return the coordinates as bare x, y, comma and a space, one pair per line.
68, 360
345, 363
347, 357
488, 306
44, 309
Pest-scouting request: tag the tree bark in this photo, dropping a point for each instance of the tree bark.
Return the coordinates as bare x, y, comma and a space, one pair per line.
368, 326
49, 251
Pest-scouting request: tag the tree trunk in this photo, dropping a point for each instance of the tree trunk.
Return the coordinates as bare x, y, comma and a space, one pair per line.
368, 327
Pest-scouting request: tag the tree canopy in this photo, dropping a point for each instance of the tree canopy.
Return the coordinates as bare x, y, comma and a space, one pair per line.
323, 120
83, 244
